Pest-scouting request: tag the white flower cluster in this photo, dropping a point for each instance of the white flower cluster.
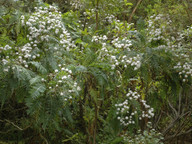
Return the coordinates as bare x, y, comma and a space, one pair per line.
188, 32
183, 38
133, 61
185, 70
127, 111
19, 55
99, 38
143, 137
160, 28
5, 53
157, 27
105, 52
110, 53
109, 18
77, 4
63, 82
161, 47
90, 13
26, 53
46, 25
114, 60
42, 25
122, 44
126, 61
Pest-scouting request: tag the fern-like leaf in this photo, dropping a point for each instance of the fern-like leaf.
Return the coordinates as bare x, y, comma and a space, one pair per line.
39, 67
35, 80
22, 73
37, 90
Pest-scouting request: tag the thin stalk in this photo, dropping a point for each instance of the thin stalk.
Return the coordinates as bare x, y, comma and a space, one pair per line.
95, 125
97, 14
133, 12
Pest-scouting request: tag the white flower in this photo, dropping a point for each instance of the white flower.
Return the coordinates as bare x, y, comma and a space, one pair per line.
78, 88
64, 77
70, 71
5, 70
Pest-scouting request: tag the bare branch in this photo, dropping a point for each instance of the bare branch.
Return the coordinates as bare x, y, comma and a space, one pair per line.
158, 119
174, 136
174, 110
44, 138
130, 18
21, 129
179, 107
14, 124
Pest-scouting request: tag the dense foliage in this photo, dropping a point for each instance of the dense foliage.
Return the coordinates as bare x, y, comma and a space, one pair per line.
95, 71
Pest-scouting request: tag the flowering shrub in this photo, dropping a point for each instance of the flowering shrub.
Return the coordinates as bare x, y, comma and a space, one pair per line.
41, 64
162, 32
130, 111
89, 76
149, 136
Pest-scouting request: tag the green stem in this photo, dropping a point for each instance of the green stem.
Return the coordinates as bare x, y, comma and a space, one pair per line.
97, 14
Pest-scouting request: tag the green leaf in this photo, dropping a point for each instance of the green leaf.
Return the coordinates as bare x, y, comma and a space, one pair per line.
34, 80
37, 90
78, 41
22, 73
39, 67
81, 68
117, 140
68, 115
128, 4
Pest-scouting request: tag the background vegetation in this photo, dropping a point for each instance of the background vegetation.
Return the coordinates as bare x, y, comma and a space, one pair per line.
95, 71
